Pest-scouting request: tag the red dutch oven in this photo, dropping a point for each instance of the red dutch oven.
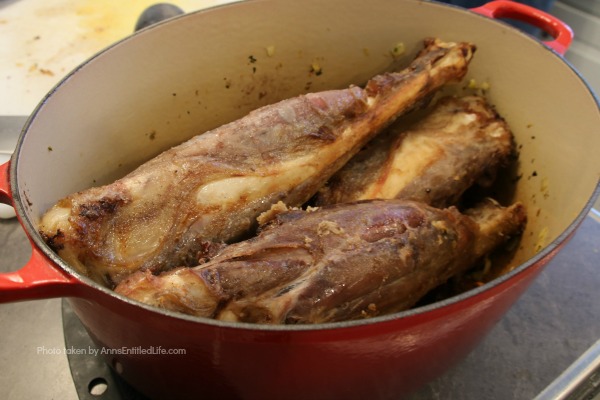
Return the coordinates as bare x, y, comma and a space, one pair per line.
184, 76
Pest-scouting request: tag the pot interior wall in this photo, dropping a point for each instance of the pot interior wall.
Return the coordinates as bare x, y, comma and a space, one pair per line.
183, 77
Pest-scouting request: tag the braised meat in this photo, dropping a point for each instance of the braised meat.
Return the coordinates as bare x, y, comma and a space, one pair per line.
336, 263
462, 141
211, 188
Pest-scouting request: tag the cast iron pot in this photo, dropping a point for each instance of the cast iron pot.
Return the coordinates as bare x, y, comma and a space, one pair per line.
192, 73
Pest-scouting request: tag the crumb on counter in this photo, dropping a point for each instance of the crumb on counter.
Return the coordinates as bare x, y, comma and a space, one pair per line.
270, 51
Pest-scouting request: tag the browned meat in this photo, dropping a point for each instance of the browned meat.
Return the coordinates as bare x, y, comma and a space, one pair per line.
337, 263
212, 188
460, 142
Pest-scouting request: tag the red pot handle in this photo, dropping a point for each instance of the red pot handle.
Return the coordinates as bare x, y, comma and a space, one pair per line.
39, 278
561, 32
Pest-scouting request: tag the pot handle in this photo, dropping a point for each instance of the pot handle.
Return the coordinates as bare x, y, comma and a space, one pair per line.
560, 31
38, 279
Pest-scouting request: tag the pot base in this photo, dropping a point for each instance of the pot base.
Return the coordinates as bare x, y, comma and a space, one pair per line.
91, 375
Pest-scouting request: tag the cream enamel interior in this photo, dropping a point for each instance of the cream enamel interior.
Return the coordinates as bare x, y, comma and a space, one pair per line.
180, 78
